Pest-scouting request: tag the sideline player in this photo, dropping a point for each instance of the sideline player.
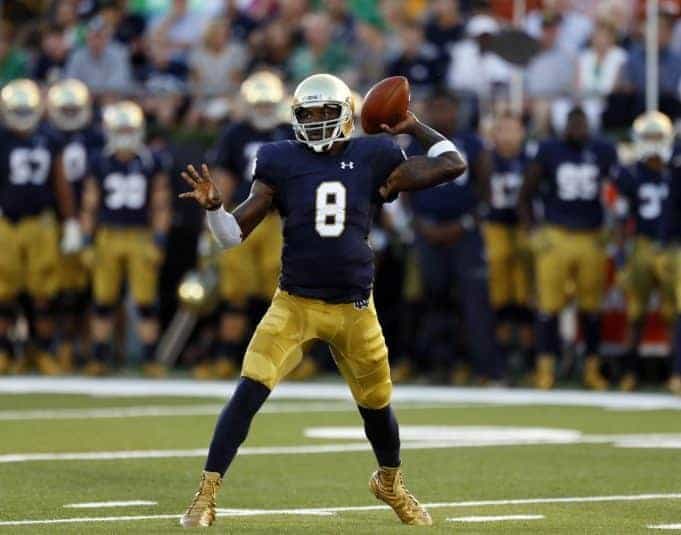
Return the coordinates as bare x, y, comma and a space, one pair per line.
31, 178
128, 200
645, 186
326, 186
568, 173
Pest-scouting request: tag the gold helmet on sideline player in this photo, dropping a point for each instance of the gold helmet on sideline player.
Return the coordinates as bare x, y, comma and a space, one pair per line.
323, 90
21, 105
263, 92
124, 126
653, 135
69, 105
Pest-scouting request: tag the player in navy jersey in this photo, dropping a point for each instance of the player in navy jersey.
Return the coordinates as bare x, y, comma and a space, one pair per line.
568, 176
326, 186
510, 261
644, 188
247, 275
32, 188
69, 110
451, 253
128, 208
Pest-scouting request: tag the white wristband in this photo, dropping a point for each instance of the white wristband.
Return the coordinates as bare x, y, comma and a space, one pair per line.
440, 148
224, 227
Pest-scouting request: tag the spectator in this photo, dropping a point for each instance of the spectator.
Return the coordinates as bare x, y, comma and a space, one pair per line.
165, 85
272, 47
216, 68
343, 21
419, 61
66, 17
444, 26
473, 67
101, 64
549, 76
318, 53
574, 26
370, 53
13, 61
51, 59
179, 29
598, 68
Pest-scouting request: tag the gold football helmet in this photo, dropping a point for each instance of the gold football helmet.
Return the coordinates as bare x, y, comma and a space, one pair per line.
263, 92
124, 126
21, 105
69, 106
653, 135
322, 90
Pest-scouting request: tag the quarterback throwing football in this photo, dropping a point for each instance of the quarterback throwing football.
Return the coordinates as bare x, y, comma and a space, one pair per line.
325, 185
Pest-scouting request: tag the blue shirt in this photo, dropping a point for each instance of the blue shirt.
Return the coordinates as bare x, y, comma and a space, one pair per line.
26, 165
669, 71
451, 200
327, 204
571, 181
646, 192
505, 184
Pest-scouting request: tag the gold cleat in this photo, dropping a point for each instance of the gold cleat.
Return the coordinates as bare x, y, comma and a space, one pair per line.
154, 370
5, 363
305, 370
224, 368
545, 374
387, 484
593, 379
204, 372
47, 364
201, 512
628, 382
674, 384
95, 369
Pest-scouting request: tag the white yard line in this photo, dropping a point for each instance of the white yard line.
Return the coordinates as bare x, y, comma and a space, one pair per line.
97, 505
338, 391
504, 518
665, 526
326, 510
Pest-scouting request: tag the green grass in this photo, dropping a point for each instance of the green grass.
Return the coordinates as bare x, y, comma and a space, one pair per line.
39, 490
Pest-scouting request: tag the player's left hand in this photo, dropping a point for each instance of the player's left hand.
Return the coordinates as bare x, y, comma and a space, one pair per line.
205, 192
406, 126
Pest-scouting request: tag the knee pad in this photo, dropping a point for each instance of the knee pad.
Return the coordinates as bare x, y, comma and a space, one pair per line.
376, 397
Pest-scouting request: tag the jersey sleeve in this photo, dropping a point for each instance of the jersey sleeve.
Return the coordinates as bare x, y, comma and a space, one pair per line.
265, 168
387, 157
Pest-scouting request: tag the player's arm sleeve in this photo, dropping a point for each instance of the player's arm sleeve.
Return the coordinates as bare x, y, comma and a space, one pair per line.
387, 159
265, 168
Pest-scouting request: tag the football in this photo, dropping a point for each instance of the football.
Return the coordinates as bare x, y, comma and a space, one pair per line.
385, 103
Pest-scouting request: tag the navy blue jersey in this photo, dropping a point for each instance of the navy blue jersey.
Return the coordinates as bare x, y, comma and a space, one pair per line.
327, 203
571, 181
26, 165
645, 191
671, 212
80, 147
236, 149
505, 184
451, 200
125, 187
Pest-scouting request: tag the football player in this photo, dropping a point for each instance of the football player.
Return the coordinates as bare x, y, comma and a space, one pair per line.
451, 251
127, 199
31, 179
644, 187
507, 245
248, 274
69, 110
326, 186
568, 174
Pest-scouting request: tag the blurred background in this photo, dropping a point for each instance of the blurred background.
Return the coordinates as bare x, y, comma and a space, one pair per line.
213, 79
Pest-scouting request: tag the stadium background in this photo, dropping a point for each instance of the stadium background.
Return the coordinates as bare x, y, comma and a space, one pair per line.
158, 44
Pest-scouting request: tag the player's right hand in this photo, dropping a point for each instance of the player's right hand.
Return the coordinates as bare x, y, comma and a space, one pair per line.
204, 191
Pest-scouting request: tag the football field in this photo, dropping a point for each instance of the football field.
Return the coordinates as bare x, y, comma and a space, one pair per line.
124, 456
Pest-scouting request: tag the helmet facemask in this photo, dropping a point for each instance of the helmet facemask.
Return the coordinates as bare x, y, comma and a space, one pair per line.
321, 135
651, 144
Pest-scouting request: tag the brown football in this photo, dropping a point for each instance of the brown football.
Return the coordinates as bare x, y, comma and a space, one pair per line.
385, 103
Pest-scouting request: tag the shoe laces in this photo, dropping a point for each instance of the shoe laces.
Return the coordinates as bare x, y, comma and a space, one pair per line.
410, 497
206, 489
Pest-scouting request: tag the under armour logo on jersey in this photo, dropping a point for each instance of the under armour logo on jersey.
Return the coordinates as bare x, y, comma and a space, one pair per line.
361, 304
347, 165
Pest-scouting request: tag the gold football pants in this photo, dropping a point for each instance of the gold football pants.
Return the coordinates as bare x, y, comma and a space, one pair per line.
353, 334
